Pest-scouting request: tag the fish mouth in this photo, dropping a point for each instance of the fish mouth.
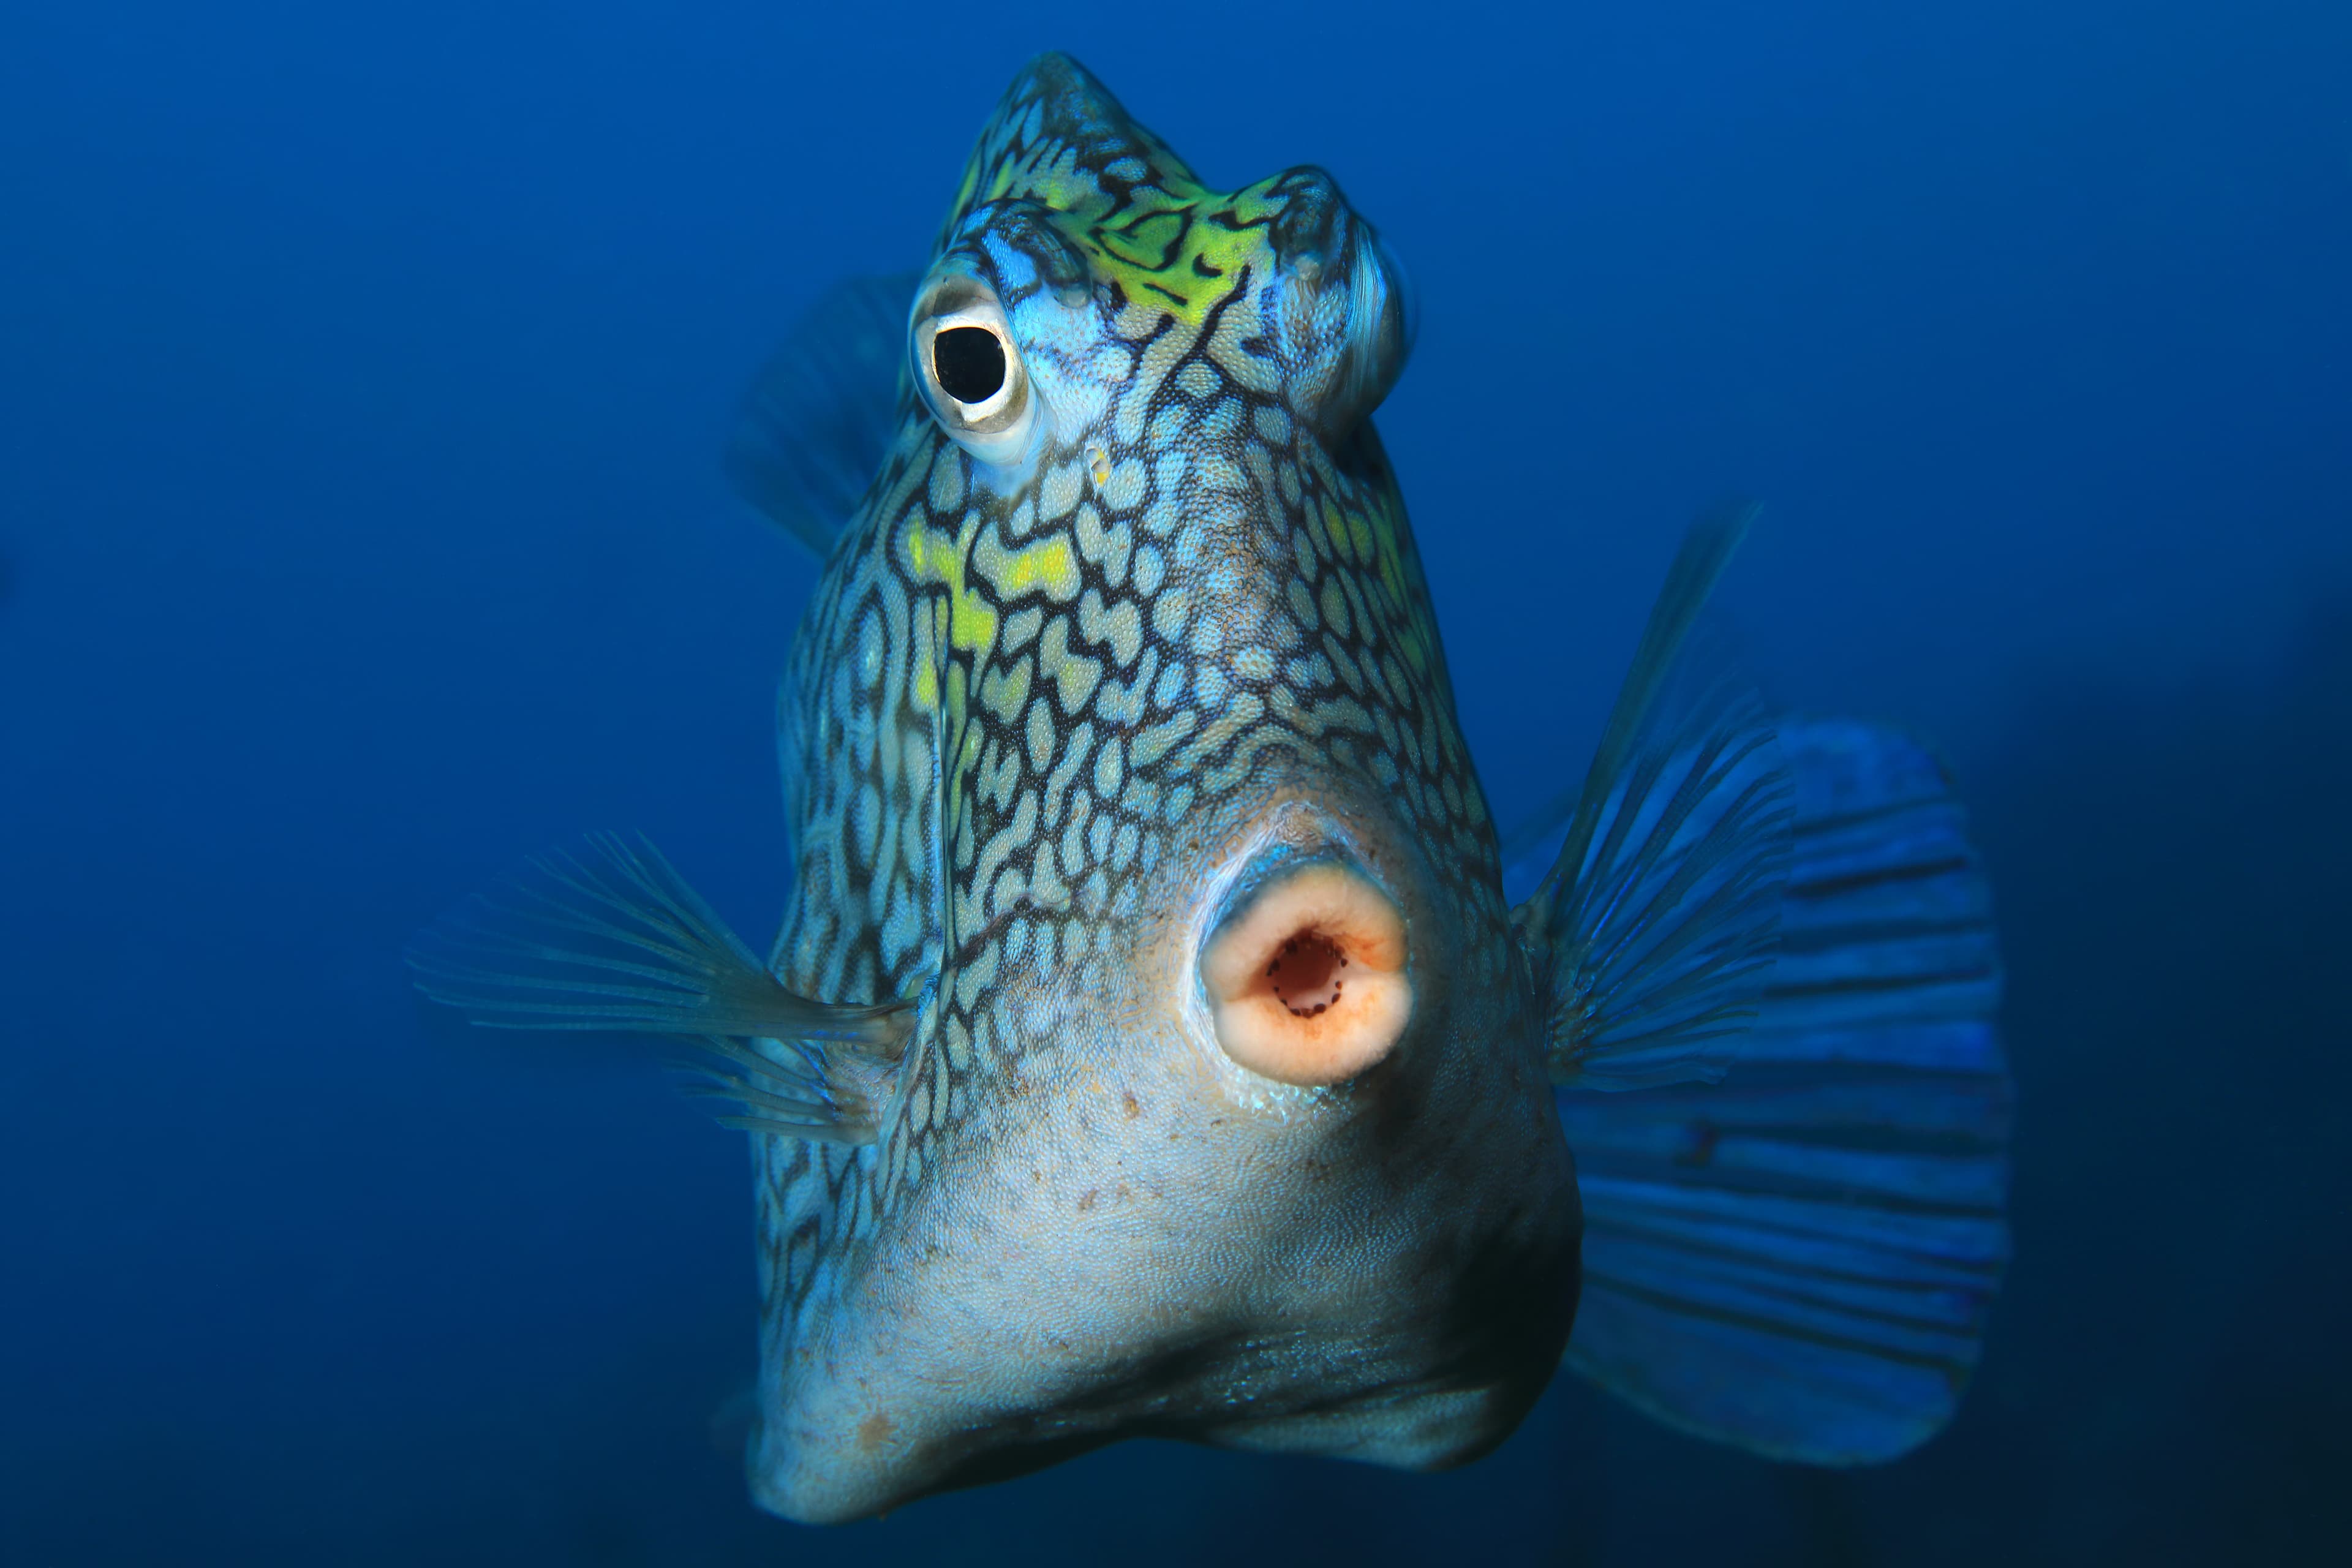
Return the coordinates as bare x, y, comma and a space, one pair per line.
1307, 981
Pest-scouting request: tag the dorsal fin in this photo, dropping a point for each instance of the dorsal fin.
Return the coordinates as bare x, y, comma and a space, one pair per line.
817, 420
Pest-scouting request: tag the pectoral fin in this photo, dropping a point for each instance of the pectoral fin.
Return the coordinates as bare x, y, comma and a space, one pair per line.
609, 937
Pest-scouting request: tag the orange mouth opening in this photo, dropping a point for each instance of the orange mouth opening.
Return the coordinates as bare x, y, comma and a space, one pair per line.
1305, 974
1307, 986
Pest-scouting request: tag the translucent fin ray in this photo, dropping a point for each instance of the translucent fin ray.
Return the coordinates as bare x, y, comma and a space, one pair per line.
1653, 933
608, 937
817, 420
1800, 1260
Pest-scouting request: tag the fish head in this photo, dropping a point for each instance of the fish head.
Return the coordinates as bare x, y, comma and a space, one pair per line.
1225, 1115
1282, 288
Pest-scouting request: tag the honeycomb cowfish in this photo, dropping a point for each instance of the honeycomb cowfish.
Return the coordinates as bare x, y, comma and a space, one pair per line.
1150, 1047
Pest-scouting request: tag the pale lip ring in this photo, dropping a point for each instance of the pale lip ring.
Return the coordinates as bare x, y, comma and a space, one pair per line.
1327, 917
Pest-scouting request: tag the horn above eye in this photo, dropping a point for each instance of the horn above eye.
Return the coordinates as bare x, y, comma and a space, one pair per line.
1307, 981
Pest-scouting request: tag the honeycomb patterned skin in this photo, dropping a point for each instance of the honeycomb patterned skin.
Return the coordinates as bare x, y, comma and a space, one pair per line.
1042, 719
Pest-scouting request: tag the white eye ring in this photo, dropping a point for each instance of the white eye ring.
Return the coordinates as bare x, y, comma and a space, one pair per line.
996, 428
1010, 385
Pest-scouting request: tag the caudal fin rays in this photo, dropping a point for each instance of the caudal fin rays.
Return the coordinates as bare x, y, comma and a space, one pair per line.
1652, 932
1801, 1260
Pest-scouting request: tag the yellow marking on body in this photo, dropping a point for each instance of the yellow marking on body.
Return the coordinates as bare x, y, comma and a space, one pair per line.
1166, 256
1148, 243
936, 558
1050, 564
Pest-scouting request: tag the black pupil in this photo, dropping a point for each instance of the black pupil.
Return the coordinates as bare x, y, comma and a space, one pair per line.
970, 362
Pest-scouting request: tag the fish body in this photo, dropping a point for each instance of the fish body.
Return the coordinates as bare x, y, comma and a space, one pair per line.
1148, 1047
1050, 716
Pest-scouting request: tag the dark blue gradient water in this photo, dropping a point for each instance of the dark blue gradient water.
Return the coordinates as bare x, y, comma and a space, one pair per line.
362, 374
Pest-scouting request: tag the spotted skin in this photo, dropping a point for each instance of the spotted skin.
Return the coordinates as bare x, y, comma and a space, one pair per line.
1029, 716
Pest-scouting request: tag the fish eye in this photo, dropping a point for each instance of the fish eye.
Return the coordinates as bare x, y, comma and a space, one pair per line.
971, 375
969, 364
1306, 981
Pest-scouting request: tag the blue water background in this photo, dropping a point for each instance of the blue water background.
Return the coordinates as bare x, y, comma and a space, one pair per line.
362, 371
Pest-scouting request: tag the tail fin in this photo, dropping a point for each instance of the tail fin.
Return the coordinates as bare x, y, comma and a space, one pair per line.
1798, 1261
1652, 936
